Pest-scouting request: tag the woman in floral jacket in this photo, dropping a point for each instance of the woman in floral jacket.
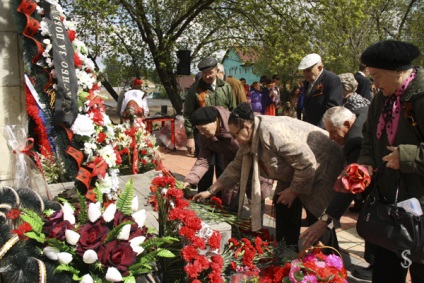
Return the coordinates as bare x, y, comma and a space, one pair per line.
297, 154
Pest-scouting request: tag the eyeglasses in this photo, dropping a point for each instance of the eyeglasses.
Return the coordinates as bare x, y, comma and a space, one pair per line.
236, 134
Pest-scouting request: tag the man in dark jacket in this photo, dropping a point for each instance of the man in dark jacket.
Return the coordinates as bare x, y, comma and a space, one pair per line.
323, 89
363, 82
345, 128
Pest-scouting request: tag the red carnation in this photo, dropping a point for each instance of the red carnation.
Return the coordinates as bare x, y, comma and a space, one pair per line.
77, 61
215, 240
13, 214
101, 138
71, 35
25, 227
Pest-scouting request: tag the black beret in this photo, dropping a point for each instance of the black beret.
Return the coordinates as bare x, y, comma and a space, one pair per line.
207, 63
204, 115
390, 55
243, 111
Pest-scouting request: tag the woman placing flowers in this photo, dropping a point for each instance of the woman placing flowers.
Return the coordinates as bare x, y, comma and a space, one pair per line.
296, 153
215, 137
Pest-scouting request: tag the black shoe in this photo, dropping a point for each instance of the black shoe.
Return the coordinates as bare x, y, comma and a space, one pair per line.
364, 273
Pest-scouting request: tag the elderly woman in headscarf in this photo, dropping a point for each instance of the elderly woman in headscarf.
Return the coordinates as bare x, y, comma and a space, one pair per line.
393, 144
352, 100
296, 153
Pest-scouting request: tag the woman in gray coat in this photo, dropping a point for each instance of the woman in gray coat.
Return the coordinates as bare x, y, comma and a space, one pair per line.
297, 154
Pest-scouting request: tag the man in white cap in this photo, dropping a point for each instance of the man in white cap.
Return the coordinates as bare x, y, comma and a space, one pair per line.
323, 89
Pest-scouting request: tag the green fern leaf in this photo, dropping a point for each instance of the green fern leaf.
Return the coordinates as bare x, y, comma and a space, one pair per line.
41, 238
67, 268
83, 214
158, 242
60, 245
125, 200
33, 219
165, 253
113, 234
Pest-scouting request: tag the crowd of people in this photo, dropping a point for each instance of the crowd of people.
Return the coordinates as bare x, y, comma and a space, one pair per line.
302, 138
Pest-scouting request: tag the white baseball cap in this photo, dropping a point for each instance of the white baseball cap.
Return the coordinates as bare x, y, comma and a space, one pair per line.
309, 60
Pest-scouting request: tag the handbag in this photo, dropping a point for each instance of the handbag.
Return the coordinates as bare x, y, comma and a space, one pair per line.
386, 225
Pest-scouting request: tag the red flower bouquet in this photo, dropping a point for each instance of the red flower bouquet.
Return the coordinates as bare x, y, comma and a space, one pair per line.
199, 244
354, 179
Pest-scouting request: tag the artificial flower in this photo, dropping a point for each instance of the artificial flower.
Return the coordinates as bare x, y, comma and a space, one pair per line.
136, 244
94, 212
109, 213
64, 257
90, 256
51, 253
87, 279
113, 275
124, 234
72, 237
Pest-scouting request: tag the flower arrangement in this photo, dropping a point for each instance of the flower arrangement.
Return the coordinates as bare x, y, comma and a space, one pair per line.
199, 244
137, 148
315, 267
94, 241
92, 135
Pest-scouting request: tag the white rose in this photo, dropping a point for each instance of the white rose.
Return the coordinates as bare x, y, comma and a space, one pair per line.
72, 237
113, 275
94, 212
87, 279
83, 126
109, 213
124, 234
51, 253
89, 256
64, 258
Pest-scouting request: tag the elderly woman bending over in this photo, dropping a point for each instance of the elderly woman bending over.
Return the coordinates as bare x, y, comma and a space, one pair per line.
296, 153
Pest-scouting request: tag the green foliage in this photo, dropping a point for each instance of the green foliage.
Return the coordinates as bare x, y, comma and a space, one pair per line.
158, 242
134, 36
35, 236
83, 213
68, 268
99, 194
60, 245
33, 219
125, 199
113, 234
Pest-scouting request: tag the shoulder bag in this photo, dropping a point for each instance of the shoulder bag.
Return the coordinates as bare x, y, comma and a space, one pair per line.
386, 225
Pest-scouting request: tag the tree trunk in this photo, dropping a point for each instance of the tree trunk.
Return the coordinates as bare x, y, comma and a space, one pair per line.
110, 89
169, 82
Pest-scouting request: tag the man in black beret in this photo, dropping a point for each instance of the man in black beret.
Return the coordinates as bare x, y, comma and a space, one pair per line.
209, 90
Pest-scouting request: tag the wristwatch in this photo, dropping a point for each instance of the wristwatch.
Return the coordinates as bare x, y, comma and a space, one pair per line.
326, 218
